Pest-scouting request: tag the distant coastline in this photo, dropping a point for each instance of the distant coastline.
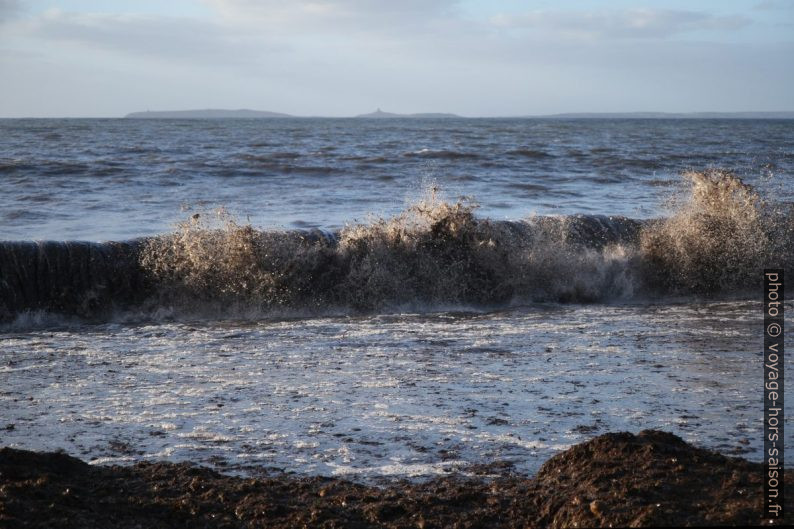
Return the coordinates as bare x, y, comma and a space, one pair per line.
379, 114
668, 115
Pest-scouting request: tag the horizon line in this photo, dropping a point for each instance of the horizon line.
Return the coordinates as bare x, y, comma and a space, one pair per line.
397, 115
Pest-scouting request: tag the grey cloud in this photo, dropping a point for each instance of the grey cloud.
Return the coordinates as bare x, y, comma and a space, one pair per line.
158, 36
773, 5
337, 8
345, 56
357, 16
9, 9
634, 23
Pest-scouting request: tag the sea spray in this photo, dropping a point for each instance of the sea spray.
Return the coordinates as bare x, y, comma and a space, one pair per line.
718, 239
440, 253
234, 264
435, 254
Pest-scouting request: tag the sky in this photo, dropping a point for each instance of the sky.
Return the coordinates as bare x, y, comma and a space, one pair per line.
92, 58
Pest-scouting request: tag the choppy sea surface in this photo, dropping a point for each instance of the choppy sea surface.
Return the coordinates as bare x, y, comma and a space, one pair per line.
118, 179
390, 345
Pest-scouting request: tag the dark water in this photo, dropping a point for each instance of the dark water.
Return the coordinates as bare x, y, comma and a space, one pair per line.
118, 179
415, 346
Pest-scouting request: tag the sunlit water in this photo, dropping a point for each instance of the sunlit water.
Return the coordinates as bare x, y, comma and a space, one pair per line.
388, 395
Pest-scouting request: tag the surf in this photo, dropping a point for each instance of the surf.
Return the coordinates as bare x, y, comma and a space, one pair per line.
435, 253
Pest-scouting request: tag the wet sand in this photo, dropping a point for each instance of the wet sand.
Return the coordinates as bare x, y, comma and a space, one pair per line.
617, 479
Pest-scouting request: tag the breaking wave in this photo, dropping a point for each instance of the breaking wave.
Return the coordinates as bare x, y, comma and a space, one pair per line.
436, 253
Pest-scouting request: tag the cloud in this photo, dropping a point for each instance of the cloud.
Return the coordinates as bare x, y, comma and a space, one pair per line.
773, 5
158, 36
334, 8
343, 57
328, 16
9, 9
254, 33
633, 23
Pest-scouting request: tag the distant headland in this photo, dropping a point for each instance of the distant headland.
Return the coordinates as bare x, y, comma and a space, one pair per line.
380, 114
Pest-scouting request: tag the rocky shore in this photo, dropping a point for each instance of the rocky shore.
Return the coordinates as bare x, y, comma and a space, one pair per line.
614, 480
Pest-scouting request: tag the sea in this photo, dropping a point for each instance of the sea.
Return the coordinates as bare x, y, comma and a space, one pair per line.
385, 298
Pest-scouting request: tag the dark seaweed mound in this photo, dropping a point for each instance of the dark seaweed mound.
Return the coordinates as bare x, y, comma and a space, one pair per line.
618, 480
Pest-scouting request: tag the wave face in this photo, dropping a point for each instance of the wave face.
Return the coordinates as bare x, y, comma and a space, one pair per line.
434, 254
73, 278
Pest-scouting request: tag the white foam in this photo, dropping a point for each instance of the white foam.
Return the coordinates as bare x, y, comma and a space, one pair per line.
309, 395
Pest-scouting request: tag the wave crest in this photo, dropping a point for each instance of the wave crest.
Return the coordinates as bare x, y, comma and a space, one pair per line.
436, 254
233, 263
718, 239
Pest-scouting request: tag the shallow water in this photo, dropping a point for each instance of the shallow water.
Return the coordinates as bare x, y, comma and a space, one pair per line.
393, 395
